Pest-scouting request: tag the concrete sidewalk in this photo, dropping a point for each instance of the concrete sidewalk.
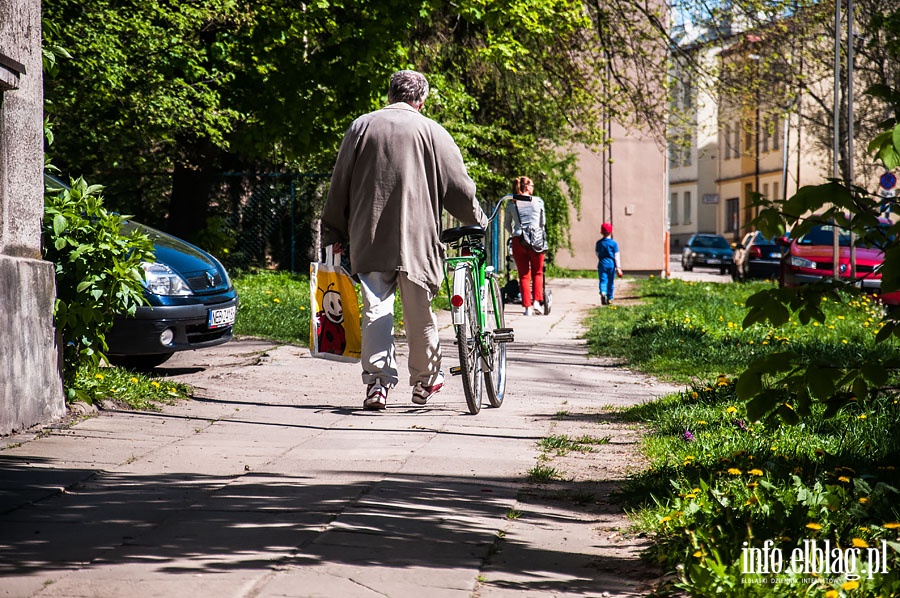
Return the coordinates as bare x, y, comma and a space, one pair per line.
274, 482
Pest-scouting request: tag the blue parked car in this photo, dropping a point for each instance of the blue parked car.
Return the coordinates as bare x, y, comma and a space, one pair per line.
707, 250
191, 303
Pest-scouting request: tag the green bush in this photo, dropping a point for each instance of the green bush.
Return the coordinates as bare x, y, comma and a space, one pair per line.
98, 271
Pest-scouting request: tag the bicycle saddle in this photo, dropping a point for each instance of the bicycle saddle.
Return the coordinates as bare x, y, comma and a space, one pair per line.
454, 234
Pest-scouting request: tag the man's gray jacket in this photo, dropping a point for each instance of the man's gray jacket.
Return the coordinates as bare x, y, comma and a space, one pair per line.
395, 172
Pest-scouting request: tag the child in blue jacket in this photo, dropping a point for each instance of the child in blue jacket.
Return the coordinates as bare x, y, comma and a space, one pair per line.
609, 263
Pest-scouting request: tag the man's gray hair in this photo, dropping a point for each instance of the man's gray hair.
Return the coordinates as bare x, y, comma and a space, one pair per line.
408, 86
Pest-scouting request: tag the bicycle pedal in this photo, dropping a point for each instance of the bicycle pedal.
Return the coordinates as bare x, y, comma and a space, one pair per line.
455, 371
504, 335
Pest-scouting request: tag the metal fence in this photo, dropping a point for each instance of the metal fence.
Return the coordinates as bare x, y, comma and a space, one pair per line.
268, 220
271, 221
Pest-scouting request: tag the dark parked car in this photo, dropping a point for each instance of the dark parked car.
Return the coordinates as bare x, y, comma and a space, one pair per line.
758, 257
707, 250
192, 303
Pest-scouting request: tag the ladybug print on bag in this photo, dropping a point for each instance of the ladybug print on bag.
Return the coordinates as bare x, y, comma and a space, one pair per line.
330, 323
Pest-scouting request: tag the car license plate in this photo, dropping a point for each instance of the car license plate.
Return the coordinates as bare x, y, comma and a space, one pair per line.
713, 261
222, 317
775, 255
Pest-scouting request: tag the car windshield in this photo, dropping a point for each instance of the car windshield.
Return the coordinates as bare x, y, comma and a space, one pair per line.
759, 239
713, 242
823, 234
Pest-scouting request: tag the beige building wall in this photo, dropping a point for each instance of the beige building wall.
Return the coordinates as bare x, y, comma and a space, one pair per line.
633, 199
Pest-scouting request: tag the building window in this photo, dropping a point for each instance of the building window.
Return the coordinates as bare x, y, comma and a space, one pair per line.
732, 215
736, 142
687, 149
775, 194
673, 209
776, 133
687, 208
765, 190
726, 142
765, 134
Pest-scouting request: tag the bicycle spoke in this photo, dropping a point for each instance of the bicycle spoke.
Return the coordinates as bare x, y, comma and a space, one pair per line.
495, 376
467, 343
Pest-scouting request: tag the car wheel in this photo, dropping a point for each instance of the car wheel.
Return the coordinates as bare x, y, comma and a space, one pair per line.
138, 362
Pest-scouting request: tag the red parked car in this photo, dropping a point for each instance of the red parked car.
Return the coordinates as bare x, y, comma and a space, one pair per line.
810, 258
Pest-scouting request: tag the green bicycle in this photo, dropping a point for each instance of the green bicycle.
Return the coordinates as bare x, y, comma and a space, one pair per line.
476, 307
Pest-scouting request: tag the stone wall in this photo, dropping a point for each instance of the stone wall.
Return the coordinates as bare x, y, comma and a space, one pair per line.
30, 387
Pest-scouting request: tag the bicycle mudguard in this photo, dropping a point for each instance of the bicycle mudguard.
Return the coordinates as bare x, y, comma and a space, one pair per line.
458, 314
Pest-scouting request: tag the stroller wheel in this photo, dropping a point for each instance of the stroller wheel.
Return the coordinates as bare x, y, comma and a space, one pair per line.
547, 303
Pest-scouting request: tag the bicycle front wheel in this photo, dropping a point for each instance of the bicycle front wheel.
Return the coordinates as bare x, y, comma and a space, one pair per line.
495, 376
467, 343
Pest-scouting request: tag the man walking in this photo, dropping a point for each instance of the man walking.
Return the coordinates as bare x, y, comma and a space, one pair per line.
395, 172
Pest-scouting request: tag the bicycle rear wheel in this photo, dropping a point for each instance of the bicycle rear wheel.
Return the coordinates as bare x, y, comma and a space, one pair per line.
495, 376
467, 343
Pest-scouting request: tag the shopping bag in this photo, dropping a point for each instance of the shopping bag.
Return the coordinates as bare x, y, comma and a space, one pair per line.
334, 328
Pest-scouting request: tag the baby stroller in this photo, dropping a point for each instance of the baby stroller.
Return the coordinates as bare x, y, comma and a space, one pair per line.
512, 292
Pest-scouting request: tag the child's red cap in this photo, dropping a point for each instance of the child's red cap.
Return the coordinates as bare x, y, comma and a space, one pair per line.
606, 228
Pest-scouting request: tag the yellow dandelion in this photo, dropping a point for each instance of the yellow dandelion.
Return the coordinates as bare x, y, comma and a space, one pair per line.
844, 479
99, 376
863, 500
734, 471
133, 380
731, 409
276, 300
689, 458
694, 395
832, 594
665, 519
698, 554
155, 384
860, 543
702, 422
751, 501
816, 324
813, 525
849, 585
841, 318
891, 525
862, 416
844, 341
756, 472
302, 308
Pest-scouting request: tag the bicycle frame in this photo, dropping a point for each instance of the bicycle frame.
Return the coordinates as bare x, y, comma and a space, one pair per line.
475, 261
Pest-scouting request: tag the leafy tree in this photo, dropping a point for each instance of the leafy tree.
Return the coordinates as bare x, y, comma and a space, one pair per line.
159, 98
784, 384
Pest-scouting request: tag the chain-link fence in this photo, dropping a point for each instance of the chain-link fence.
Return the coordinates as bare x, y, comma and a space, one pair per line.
267, 220
271, 221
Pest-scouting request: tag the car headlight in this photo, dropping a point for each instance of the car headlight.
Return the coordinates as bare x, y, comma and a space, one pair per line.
162, 280
800, 262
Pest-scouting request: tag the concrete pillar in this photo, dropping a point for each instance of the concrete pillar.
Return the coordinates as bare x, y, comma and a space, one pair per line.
30, 387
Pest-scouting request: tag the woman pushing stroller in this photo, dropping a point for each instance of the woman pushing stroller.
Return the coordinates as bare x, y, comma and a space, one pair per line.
526, 224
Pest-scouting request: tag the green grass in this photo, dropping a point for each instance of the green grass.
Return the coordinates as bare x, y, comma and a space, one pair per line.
131, 389
543, 473
562, 444
717, 480
273, 305
684, 331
